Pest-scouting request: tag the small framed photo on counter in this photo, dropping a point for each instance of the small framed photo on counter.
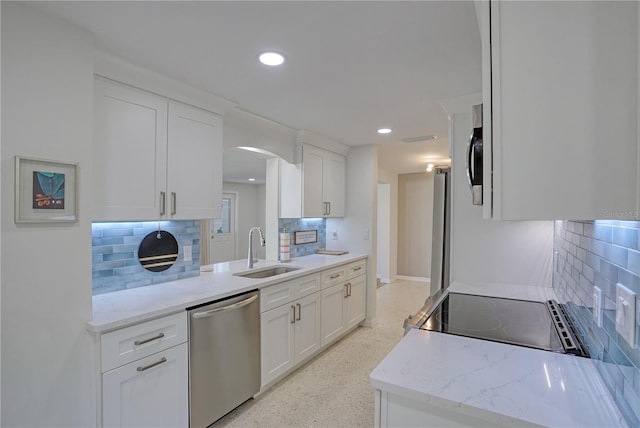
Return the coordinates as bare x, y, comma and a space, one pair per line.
45, 191
305, 237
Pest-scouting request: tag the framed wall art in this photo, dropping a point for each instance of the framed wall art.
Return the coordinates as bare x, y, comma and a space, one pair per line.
45, 191
305, 237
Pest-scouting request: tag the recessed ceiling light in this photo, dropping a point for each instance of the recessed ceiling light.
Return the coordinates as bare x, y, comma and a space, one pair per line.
252, 179
430, 167
271, 58
384, 131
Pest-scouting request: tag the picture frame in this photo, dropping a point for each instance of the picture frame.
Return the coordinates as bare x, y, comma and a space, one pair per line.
305, 237
45, 191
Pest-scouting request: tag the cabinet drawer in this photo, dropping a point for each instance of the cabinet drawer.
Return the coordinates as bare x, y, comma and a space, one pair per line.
333, 276
276, 295
356, 268
288, 291
306, 285
128, 344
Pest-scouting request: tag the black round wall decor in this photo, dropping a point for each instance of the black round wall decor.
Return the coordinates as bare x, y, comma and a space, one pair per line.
158, 251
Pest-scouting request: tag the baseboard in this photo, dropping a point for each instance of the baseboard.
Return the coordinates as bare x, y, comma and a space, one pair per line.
413, 278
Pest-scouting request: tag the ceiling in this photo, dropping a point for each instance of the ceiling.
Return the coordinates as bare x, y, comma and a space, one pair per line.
352, 66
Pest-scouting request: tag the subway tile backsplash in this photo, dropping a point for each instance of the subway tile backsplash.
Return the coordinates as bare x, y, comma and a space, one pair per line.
292, 225
602, 253
115, 254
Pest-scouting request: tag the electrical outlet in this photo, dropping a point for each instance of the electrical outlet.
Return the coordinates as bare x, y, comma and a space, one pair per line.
597, 306
188, 255
626, 314
334, 235
365, 235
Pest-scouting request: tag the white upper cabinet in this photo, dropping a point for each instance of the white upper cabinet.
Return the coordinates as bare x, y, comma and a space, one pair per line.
154, 158
314, 188
194, 180
560, 96
130, 153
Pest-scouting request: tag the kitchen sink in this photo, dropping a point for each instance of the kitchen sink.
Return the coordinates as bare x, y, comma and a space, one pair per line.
267, 272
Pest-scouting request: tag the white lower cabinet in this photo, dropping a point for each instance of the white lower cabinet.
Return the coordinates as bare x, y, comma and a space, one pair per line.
145, 374
289, 335
333, 301
301, 316
355, 302
150, 392
343, 307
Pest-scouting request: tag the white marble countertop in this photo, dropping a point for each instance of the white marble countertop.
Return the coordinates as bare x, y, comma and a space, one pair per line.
122, 308
502, 384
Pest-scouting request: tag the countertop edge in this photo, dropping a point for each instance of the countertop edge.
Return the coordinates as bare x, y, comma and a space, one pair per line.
309, 265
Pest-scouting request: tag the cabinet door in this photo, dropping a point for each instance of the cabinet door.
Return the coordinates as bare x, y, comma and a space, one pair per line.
334, 183
312, 182
332, 324
276, 339
564, 82
307, 327
355, 303
195, 163
130, 153
151, 392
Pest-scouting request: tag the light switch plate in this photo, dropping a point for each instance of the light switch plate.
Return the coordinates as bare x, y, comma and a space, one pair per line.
597, 306
626, 314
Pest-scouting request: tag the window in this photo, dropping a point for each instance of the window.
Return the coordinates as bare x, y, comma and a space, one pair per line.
225, 224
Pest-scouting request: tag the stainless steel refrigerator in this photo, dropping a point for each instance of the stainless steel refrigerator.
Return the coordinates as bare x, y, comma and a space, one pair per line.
441, 235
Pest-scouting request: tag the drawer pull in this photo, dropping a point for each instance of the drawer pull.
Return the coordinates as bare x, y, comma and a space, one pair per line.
299, 311
355, 269
162, 360
142, 342
334, 276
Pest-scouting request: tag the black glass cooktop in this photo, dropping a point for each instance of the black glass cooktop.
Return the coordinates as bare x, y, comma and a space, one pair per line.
518, 322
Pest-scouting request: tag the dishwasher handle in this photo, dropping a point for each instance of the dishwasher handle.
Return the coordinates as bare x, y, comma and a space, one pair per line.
231, 307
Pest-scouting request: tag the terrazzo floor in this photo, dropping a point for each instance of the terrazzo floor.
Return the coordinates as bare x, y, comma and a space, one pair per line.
333, 390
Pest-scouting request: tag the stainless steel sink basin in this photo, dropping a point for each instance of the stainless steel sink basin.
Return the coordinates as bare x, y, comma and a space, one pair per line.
267, 272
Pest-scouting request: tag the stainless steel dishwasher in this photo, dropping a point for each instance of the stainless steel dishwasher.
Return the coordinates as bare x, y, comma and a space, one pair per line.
224, 356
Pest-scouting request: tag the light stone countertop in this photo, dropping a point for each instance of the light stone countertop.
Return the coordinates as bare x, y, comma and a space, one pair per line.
127, 307
503, 384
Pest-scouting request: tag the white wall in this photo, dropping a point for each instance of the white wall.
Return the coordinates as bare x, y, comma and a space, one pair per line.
249, 213
415, 222
392, 180
357, 231
486, 251
47, 82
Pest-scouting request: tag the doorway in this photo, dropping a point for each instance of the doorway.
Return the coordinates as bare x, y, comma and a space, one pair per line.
222, 232
384, 233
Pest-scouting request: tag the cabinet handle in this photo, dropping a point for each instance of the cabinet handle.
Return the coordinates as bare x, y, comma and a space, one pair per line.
142, 342
346, 291
230, 307
173, 203
163, 203
349, 284
299, 311
334, 276
162, 360
355, 269
293, 314
329, 208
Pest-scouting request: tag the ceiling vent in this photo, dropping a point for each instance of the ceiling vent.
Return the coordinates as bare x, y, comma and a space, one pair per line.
418, 139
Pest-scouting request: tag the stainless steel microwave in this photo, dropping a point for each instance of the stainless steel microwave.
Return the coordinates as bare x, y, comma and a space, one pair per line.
474, 156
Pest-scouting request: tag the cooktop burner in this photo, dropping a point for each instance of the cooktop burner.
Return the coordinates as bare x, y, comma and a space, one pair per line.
517, 322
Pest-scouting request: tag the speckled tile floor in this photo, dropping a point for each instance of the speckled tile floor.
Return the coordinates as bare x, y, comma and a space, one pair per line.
333, 390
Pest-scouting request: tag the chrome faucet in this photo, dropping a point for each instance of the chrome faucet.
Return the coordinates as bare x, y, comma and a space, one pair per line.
262, 243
